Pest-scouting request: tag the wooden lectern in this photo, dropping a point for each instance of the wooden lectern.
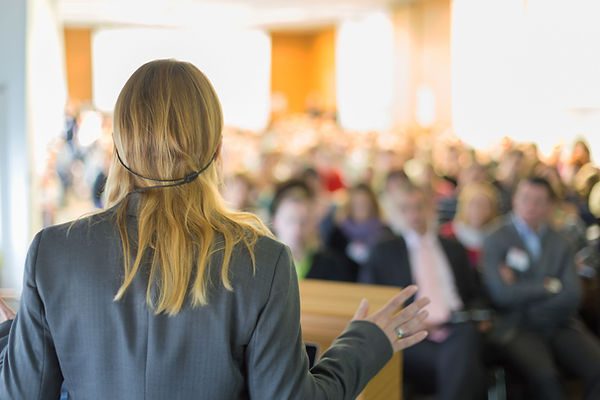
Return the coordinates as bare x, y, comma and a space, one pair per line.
327, 307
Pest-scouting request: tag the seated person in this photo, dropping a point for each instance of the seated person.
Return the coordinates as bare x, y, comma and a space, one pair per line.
530, 275
450, 359
294, 223
477, 208
358, 225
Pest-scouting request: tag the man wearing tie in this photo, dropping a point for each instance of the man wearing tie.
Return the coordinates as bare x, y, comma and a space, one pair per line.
449, 361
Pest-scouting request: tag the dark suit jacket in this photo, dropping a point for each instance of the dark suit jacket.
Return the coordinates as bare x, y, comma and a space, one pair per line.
246, 343
389, 264
327, 265
525, 304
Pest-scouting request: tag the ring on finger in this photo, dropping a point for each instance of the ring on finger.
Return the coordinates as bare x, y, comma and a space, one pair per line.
399, 333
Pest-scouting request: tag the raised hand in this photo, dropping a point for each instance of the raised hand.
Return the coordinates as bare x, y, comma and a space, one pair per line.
6, 312
404, 328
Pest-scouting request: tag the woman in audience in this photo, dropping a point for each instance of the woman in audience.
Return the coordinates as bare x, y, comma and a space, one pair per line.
477, 207
169, 294
359, 224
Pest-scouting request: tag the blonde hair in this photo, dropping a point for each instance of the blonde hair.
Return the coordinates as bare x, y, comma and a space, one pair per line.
468, 192
168, 124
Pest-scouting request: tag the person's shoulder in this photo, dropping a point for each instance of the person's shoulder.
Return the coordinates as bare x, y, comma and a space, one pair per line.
556, 238
78, 229
452, 243
266, 252
389, 238
269, 245
387, 241
499, 228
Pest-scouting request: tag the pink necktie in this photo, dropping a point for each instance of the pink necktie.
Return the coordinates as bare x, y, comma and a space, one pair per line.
430, 285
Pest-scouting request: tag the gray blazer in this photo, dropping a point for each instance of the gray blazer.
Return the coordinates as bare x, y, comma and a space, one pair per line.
526, 304
247, 343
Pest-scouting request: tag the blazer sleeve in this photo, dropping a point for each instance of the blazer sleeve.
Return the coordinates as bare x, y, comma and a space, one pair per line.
4, 331
277, 364
502, 294
29, 366
560, 307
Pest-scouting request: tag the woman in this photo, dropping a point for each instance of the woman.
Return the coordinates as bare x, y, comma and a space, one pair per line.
168, 294
359, 225
476, 209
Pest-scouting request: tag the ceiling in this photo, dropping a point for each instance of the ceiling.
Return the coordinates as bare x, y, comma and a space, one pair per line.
267, 14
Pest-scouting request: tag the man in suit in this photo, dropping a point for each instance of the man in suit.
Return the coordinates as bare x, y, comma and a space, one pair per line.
295, 224
449, 361
530, 275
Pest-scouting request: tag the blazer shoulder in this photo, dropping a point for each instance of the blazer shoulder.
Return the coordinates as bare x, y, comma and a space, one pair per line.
389, 240
267, 254
500, 228
80, 228
269, 246
449, 243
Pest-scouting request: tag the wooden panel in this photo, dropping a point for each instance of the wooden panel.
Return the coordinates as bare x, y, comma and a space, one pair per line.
326, 309
303, 69
291, 68
78, 54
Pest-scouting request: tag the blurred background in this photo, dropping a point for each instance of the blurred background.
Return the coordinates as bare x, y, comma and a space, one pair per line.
341, 92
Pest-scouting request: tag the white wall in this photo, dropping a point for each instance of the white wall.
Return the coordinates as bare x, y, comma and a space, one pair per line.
237, 62
32, 99
527, 70
14, 167
364, 72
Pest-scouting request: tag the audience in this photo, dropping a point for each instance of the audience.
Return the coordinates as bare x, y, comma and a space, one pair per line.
294, 224
300, 175
239, 192
529, 271
359, 225
508, 173
449, 361
394, 181
477, 207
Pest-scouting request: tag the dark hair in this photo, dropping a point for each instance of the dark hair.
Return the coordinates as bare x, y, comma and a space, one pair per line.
542, 182
310, 172
296, 189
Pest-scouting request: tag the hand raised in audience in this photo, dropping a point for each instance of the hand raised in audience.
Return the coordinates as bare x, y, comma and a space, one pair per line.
404, 328
6, 312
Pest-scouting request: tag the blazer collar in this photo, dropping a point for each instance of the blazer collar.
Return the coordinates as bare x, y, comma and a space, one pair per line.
133, 200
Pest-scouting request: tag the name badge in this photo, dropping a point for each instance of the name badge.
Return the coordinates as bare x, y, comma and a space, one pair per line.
517, 259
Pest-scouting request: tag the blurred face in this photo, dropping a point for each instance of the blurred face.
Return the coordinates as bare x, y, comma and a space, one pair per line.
532, 203
580, 152
479, 211
414, 209
237, 193
361, 206
293, 223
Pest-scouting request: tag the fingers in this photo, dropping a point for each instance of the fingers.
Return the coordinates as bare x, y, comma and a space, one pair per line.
6, 312
409, 312
415, 324
397, 301
362, 311
408, 341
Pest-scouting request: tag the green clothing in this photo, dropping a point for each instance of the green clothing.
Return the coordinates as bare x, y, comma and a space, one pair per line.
303, 266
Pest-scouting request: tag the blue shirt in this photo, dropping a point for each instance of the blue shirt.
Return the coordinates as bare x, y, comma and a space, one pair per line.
531, 238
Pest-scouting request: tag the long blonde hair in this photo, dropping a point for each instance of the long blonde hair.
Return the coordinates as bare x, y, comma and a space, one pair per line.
168, 124
468, 192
